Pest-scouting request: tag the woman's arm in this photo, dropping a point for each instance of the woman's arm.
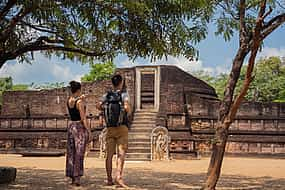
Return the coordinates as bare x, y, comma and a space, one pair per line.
127, 107
80, 106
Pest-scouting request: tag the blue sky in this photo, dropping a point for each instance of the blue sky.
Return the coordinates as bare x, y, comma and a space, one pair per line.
215, 58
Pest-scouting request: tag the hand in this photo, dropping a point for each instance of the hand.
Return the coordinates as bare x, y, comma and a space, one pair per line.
83, 97
99, 106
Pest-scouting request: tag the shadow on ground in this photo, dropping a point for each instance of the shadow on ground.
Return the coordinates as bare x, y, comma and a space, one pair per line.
35, 179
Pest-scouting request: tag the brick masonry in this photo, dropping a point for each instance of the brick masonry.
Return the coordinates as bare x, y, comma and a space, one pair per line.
188, 107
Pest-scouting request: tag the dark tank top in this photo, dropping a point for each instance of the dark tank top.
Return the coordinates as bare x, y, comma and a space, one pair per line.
74, 112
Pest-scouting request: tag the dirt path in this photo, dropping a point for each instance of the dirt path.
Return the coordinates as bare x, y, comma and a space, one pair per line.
238, 173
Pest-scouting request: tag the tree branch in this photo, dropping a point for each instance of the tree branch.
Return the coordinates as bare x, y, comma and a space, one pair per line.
7, 8
242, 32
39, 28
39, 45
254, 49
267, 13
282, 6
21, 14
272, 25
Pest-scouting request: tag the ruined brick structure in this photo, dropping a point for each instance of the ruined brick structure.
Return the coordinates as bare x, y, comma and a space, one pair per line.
160, 96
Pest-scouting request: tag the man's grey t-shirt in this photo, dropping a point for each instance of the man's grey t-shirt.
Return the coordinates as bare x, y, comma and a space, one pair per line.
125, 97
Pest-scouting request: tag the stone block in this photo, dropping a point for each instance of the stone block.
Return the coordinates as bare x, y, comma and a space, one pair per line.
7, 174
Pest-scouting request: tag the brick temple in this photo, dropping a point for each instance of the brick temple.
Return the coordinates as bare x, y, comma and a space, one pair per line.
163, 95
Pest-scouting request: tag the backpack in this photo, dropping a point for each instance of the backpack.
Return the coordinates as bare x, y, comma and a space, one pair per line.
114, 112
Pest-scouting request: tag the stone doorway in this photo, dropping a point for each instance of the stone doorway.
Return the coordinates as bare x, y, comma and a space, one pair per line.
147, 88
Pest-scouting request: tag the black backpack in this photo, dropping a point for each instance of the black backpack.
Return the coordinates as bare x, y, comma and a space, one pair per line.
114, 112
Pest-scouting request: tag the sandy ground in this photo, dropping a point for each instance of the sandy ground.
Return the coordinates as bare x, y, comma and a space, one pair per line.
37, 173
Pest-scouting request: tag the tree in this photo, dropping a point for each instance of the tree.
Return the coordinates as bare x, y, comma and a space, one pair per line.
88, 30
268, 84
99, 71
20, 87
6, 83
254, 20
47, 85
218, 82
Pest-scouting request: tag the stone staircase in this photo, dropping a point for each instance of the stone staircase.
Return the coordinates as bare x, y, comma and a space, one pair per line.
139, 148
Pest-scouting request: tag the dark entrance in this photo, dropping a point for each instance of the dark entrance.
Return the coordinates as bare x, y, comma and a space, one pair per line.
147, 91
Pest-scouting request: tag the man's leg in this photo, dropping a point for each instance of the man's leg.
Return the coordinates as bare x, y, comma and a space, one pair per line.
121, 154
110, 150
120, 161
109, 169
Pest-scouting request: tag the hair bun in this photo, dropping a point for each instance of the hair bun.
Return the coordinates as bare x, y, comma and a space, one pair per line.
72, 83
74, 86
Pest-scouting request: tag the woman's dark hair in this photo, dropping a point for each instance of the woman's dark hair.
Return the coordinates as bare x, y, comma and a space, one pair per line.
116, 80
74, 86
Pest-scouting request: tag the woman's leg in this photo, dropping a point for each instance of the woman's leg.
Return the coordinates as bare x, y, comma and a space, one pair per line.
70, 152
80, 138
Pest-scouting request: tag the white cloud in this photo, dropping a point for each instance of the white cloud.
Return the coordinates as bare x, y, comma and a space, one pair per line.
181, 62
40, 71
270, 51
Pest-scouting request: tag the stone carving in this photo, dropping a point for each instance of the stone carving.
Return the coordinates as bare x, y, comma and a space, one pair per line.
102, 142
160, 144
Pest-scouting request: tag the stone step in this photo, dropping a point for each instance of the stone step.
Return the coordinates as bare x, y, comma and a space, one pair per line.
138, 135
144, 116
150, 113
139, 155
139, 147
142, 126
138, 150
141, 130
146, 122
147, 99
139, 143
138, 159
147, 94
134, 140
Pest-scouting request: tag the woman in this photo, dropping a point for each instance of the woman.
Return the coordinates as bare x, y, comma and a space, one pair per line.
77, 134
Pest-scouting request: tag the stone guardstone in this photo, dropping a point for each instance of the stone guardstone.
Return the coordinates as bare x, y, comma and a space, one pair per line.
7, 174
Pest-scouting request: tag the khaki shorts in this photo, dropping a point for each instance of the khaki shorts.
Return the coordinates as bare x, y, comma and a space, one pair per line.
116, 137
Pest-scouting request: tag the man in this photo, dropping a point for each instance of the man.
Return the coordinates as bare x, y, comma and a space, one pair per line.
115, 105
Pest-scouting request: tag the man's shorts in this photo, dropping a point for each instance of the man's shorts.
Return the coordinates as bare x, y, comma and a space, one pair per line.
116, 137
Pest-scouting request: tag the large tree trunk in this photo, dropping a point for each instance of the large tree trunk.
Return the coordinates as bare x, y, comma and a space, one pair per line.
221, 130
218, 150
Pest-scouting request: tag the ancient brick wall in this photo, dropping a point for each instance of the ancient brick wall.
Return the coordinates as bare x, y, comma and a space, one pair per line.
173, 83
259, 128
45, 130
53, 102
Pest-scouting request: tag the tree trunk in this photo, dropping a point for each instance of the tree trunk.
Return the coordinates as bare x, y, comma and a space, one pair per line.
218, 150
221, 131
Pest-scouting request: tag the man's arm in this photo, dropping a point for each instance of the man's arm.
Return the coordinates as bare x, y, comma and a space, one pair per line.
101, 102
